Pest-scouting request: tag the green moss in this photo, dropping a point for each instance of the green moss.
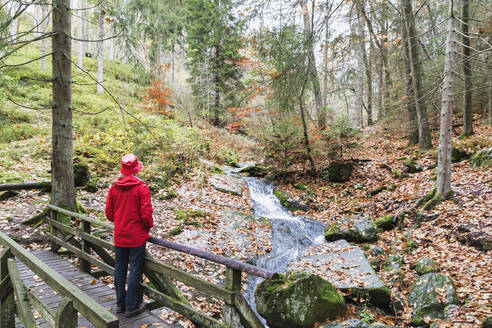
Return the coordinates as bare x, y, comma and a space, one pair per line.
393, 263
376, 191
91, 186
482, 159
176, 231
398, 173
186, 214
300, 186
217, 169
229, 157
424, 265
298, 300
487, 322
387, 222
282, 197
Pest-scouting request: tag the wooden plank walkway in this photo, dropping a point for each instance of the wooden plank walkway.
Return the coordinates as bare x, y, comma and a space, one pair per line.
98, 291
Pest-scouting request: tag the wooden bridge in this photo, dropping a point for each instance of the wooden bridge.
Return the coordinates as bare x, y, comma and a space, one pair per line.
64, 296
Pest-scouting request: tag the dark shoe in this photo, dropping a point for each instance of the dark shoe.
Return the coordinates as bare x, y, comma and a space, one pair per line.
120, 309
140, 308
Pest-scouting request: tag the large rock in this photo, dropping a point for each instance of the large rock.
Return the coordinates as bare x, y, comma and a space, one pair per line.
298, 300
482, 159
254, 170
337, 171
354, 323
226, 184
412, 166
424, 265
81, 174
289, 202
347, 268
356, 229
429, 295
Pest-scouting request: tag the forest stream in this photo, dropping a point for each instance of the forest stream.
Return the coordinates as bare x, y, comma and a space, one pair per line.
290, 234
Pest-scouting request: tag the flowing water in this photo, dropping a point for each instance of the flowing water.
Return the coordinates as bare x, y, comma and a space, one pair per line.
290, 234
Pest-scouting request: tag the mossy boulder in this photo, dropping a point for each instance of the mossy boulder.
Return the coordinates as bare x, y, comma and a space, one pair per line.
81, 174
412, 166
91, 187
255, 170
356, 229
482, 159
347, 268
298, 300
487, 322
226, 184
393, 263
387, 222
290, 202
429, 295
354, 323
337, 171
458, 154
424, 265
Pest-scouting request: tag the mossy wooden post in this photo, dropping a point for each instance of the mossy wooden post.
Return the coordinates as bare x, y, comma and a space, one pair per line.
233, 283
66, 315
22, 301
7, 305
54, 246
85, 266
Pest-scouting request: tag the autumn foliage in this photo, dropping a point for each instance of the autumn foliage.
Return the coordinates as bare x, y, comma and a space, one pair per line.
158, 99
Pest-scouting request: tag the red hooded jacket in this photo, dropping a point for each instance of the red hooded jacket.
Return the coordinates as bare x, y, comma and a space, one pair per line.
128, 205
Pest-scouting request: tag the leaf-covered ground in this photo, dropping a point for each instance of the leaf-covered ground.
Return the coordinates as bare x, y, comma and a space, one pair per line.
193, 213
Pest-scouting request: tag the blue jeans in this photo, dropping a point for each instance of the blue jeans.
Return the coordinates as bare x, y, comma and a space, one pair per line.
131, 298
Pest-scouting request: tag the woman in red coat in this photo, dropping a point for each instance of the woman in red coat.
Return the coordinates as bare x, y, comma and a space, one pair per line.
128, 205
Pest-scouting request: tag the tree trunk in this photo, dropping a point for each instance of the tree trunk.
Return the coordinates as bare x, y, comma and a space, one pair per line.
443, 185
158, 57
63, 189
325, 65
216, 119
413, 129
100, 51
425, 141
45, 14
467, 72
80, 34
368, 67
313, 73
359, 82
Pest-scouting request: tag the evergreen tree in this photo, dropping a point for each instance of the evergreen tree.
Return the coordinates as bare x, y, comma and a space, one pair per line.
214, 38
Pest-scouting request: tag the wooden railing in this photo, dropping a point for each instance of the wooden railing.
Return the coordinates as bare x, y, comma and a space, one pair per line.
92, 250
73, 299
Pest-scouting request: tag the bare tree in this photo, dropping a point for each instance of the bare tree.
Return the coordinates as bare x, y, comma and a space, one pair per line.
313, 73
413, 129
80, 35
100, 52
443, 185
425, 141
467, 71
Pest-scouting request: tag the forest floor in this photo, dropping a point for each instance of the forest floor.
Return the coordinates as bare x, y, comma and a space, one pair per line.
471, 207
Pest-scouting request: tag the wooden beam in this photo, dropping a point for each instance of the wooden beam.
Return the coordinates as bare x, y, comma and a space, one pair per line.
21, 299
66, 315
230, 314
249, 319
243, 267
42, 309
26, 186
94, 312
188, 279
5, 288
7, 304
83, 235
194, 316
105, 224
81, 254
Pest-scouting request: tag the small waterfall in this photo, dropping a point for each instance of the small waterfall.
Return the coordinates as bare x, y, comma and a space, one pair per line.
290, 234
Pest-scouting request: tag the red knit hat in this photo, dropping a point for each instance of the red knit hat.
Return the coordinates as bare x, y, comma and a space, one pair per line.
130, 165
